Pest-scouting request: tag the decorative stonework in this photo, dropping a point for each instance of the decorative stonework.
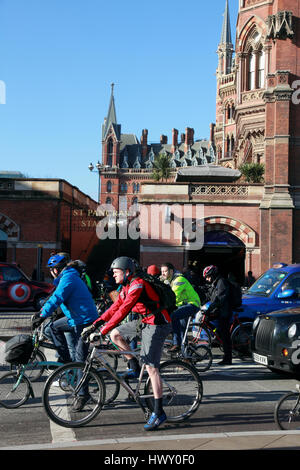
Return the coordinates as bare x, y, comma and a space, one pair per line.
280, 26
233, 226
248, 96
217, 190
250, 3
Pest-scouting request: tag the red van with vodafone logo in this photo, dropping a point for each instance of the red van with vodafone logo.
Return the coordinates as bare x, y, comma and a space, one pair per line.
17, 290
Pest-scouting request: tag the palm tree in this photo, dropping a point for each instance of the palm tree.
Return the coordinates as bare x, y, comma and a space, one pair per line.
253, 172
162, 167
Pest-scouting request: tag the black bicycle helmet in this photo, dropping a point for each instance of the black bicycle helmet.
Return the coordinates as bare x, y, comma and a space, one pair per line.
124, 263
210, 271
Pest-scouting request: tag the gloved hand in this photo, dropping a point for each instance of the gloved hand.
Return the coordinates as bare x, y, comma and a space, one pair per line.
95, 338
86, 332
36, 320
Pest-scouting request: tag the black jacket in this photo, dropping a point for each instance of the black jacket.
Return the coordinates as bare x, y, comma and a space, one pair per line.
220, 298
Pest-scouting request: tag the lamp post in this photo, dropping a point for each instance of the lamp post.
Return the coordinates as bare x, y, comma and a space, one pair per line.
99, 167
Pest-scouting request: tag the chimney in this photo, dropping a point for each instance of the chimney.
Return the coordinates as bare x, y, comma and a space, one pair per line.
182, 138
174, 140
163, 139
189, 138
212, 133
144, 142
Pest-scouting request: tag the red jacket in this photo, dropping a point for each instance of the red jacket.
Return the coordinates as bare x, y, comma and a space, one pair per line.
128, 301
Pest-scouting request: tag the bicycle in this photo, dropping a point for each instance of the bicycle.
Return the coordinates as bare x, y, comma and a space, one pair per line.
16, 385
182, 389
193, 348
240, 333
287, 411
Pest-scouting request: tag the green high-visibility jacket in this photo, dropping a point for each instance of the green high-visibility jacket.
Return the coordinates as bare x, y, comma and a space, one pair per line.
184, 291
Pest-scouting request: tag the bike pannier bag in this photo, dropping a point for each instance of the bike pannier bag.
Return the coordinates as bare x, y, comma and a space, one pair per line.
18, 349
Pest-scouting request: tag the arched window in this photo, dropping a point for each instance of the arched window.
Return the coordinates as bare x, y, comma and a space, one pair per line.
253, 62
251, 71
124, 187
108, 200
261, 68
110, 150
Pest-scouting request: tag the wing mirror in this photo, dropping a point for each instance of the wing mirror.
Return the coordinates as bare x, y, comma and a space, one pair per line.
286, 294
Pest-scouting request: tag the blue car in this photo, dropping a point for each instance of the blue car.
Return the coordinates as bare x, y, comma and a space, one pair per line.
276, 289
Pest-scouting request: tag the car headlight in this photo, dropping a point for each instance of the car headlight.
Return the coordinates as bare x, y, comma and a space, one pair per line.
255, 323
292, 330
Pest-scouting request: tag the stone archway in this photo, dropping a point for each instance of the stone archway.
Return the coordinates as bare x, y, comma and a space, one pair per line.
230, 252
236, 227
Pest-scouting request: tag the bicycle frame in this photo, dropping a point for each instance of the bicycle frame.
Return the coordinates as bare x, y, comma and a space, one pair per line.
213, 329
135, 394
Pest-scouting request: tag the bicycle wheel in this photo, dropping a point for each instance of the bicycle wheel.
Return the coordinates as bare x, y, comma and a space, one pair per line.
64, 386
287, 412
182, 390
241, 339
112, 386
199, 334
200, 356
14, 390
34, 370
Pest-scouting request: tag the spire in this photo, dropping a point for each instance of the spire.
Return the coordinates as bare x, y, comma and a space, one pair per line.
225, 49
111, 118
226, 31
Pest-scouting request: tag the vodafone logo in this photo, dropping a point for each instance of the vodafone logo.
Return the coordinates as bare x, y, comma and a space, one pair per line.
19, 292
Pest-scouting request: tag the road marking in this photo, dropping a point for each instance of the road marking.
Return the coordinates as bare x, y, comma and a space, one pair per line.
60, 434
175, 437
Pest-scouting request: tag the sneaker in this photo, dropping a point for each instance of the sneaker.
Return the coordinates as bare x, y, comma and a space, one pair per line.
155, 421
80, 402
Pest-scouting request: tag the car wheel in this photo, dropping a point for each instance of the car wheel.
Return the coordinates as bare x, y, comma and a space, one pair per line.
39, 302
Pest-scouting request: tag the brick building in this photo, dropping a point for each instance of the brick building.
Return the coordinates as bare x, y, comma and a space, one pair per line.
127, 161
38, 216
246, 226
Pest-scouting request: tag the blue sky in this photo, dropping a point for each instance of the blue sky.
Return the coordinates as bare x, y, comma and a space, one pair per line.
59, 57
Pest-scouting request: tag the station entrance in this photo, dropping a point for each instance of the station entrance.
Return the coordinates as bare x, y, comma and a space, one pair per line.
223, 249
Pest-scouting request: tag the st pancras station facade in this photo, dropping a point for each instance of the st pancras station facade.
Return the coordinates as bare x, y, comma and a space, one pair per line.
208, 212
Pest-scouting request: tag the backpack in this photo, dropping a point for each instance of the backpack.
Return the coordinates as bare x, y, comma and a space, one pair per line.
18, 349
167, 298
235, 294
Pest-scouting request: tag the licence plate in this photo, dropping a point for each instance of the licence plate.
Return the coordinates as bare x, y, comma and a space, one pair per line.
260, 359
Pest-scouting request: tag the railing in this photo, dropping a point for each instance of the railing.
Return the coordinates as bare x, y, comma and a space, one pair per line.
219, 190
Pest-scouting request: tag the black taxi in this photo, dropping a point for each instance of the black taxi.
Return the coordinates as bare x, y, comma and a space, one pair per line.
276, 340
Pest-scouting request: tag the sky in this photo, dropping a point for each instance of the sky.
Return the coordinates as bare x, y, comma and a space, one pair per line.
58, 59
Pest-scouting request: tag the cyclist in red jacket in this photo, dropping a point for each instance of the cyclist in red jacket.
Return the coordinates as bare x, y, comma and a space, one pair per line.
137, 296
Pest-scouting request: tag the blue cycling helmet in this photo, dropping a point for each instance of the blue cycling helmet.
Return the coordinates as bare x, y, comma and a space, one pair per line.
60, 260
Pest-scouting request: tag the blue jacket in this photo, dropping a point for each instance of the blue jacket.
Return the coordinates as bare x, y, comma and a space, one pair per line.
74, 298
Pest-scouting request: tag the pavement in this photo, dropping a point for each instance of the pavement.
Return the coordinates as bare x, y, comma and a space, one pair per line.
15, 323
